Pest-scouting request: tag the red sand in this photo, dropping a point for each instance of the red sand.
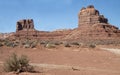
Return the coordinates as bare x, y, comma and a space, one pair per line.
91, 61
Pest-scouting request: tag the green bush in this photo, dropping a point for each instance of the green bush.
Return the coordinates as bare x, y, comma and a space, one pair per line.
17, 64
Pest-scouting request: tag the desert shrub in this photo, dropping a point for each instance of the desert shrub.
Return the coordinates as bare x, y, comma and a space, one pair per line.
1, 44
55, 42
92, 45
44, 42
17, 42
17, 64
49, 45
67, 45
75, 43
6, 42
24, 64
1, 40
10, 44
27, 46
23, 43
33, 44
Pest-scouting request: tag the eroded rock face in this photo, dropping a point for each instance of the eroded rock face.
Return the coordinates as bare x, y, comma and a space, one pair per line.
93, 25
25, 24
89, 16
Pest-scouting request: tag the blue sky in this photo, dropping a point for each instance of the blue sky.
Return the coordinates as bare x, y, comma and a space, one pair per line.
50, 15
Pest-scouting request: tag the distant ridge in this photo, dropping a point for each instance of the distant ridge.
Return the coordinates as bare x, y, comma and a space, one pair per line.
91, 25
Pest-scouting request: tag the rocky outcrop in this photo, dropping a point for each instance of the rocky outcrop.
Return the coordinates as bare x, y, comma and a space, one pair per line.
25, 30
7, 35
41, 35
89, 16
92, 25
25, 24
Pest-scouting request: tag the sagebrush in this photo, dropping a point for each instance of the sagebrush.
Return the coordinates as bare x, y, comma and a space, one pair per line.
17, 64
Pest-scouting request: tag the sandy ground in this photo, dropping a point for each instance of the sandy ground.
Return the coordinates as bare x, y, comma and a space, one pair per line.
67, 61
116, 51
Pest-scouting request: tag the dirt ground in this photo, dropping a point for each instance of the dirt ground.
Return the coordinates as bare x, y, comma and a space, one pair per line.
66, 60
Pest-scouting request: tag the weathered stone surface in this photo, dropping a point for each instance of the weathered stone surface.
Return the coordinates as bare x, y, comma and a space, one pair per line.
25, 30
90, 16
6, 35
42, 35
91, 25
25, 24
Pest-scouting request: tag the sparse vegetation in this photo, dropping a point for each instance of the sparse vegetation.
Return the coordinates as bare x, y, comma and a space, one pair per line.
56, 42
92, 45
29, 44
9, 43
75, 43
17, 64
49, 45
34, 44
44, 42
67, 45
1, 44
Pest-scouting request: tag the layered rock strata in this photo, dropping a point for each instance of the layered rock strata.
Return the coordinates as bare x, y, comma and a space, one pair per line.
91, 25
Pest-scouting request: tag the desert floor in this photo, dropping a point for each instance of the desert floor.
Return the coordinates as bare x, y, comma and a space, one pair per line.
102, 60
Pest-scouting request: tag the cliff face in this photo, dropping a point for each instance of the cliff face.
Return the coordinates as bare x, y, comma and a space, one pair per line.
25, 30
89, 16
91, 25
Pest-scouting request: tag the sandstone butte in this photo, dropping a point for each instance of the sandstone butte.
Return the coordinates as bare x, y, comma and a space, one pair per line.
91, 25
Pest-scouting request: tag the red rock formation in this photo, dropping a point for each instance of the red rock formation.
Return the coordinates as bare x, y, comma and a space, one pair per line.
41, 35
25, 24
91, 25
6, 35
89, 16
25, 30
